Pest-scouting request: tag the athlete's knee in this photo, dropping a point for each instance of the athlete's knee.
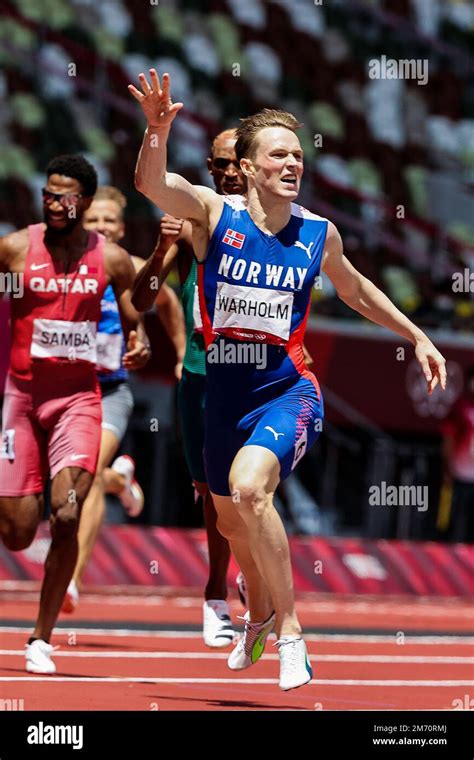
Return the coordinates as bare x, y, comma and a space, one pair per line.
19, 519
248, 494
17, 539
227, 527
65, 519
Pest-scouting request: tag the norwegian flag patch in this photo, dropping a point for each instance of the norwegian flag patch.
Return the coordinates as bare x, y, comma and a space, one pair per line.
233, 238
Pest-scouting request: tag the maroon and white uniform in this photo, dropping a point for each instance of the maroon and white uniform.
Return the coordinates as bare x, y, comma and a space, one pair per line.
52, 409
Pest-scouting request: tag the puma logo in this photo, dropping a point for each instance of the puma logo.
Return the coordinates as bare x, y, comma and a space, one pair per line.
306, 248
267, 427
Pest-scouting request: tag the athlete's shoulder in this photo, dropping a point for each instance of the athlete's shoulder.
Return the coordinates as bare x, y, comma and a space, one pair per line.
114, 252
14, 244
117, 259
236, 202
304, 213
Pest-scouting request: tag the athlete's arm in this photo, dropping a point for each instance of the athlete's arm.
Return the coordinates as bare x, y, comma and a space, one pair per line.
12, 247
120, 272
155, 271
5, 254
172, 318
168, 191
363, 296
12, 250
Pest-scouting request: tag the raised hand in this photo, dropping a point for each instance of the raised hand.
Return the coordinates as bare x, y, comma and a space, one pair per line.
156, 103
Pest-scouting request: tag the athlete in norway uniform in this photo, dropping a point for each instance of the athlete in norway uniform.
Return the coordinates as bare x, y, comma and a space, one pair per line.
52, 414
261, 296
255, 299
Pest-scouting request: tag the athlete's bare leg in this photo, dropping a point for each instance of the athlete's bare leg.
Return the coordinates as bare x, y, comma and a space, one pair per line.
248, 518
218, 547
112, 482
93, 510
231, 524
69, 489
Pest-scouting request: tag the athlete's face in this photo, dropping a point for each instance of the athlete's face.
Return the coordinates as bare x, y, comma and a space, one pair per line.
225, 169
277, 164
64, 203
105, 216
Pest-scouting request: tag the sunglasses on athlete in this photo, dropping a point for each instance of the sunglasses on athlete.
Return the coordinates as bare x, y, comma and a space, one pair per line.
65, 199
223, 163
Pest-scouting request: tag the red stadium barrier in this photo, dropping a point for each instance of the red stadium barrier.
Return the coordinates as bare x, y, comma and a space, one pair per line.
163, 557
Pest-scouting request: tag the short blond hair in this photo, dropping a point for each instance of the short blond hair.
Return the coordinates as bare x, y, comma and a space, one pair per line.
110, 193
249, 128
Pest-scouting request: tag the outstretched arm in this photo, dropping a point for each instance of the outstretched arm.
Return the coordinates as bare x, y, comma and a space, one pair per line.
363, 296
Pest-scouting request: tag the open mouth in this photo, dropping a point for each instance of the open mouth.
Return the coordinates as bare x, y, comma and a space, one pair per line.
290, 180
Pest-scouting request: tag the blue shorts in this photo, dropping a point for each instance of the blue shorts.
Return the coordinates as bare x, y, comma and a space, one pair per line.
288, 425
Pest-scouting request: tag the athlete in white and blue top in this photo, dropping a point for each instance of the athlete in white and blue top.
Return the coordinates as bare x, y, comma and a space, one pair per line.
260, 298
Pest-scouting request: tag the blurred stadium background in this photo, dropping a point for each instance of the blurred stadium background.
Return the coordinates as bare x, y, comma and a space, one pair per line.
390, 161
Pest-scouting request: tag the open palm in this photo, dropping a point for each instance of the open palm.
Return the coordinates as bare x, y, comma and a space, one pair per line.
156, 103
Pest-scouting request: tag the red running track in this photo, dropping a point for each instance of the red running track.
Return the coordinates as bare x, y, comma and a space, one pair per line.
108, 660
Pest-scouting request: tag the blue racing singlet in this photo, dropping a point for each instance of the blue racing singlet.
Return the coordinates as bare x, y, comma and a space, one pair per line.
255, 295
110, 340
256, 288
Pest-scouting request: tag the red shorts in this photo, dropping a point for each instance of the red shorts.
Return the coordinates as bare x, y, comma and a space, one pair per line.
48, 423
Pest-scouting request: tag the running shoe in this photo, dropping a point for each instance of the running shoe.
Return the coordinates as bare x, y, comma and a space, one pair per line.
295, 669
242, 589
251, 645
132, 495
71, 599
38, 657
217, 627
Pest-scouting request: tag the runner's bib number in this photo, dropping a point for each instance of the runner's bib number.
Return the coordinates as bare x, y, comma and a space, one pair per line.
7, 450
109, 351
60, 339
263, 311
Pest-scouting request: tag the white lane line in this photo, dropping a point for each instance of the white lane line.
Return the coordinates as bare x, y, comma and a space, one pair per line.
147, 679
395, 659
325, 637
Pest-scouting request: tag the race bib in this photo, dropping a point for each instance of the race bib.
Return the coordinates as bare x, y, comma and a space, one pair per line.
265, 312
60, 339
109, 351
197, 311
7, 450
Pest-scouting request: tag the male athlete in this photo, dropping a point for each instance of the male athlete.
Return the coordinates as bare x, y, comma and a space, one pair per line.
228, 179
52, 412
105, 215
260, 257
